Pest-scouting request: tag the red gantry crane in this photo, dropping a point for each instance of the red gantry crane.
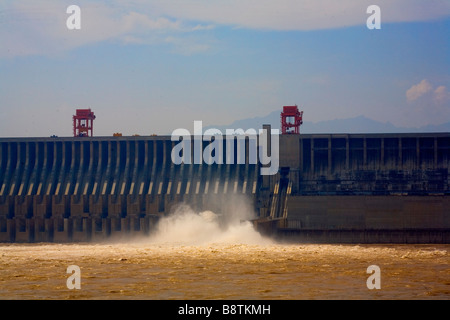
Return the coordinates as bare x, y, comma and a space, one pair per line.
291, 119
83, 123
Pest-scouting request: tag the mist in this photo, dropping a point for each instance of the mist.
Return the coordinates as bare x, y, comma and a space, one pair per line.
187, 226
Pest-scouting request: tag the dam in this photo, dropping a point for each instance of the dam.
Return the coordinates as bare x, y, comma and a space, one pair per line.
339, 188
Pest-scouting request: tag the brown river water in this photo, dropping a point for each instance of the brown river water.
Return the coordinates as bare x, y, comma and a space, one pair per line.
192, 257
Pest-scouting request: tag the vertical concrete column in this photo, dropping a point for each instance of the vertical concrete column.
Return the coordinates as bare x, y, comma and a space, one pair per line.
134, 187
125, 226
23, 205
101, 228
208, 178
145, 225
301, 146
24, 230
57, 161
113, 208
77, 173
329, 157
143, 177
152, 223
15, 171
82, 229
61, 205
30, 161
255, 184
74, 168
148, 188
247, 180
160, 187
107, 171
37, 170
347, 153
65, 162
11, 230
79, 184
7, 171
112, 165
119, 169
10, 166
44, 172
2, 166
21, 158
159, 178
116, 226
166, 154
137, 226
101, 171
52, 186
71, 173
87, 185
229, 152
267, 127
33, 151
171, 183
181, 185
43, 231
133, 204
48, 168
418, 164
365, 153
62, 230
124, 188
152, 185
266, 178
435, 153
147, 158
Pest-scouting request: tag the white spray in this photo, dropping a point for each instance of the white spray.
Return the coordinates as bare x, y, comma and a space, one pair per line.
185, 226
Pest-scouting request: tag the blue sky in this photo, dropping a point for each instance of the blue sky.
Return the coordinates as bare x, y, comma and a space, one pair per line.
149, 67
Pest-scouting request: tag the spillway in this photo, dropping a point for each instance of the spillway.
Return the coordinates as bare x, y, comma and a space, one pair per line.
81, 189
329, 187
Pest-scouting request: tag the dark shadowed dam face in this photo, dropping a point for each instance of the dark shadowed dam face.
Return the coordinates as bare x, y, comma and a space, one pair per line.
68, 189
339, 188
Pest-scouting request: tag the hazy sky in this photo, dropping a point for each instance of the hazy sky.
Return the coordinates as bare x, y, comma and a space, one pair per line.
150, 67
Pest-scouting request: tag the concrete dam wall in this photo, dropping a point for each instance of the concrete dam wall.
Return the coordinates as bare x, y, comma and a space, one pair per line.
78, 189
391, 188
329, 187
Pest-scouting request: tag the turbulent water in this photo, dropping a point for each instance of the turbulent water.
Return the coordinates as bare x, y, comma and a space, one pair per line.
199, 256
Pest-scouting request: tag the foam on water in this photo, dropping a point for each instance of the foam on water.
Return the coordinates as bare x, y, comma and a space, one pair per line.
187, 227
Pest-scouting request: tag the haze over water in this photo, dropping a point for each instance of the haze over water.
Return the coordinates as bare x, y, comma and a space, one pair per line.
202, 256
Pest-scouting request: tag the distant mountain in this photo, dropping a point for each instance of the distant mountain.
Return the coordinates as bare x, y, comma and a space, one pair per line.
358, 124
